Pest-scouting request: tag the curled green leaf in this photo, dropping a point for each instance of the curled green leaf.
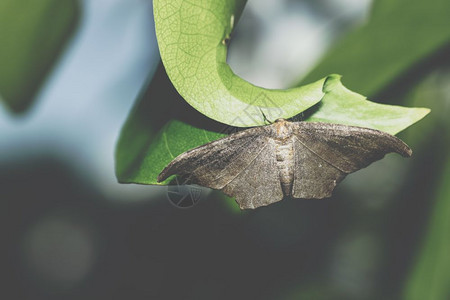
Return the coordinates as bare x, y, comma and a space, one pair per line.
340, 105
192, 38
141, 155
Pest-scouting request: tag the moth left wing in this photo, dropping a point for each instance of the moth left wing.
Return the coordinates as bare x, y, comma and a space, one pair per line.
216, 163
325, 153
242, 164
258, 184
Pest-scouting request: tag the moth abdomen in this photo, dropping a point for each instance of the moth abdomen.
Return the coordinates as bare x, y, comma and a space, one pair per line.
284, 154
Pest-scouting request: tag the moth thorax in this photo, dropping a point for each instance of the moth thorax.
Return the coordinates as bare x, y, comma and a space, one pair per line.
285, 164
282, 129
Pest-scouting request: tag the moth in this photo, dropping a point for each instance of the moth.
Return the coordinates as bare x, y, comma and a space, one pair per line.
262, 165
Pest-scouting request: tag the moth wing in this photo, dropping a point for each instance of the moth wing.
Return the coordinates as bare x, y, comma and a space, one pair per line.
258, 184
216, 163
326, 153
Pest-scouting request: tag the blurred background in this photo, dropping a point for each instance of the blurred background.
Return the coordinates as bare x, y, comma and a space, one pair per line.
70, 71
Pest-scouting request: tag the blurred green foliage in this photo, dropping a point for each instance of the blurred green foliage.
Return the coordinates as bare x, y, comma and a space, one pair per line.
399, 37
431, 277
32, 35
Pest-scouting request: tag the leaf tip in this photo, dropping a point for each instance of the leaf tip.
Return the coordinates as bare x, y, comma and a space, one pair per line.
331, 82
422, 112
425, 111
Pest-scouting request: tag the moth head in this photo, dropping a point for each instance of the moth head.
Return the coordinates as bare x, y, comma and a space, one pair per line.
282, 129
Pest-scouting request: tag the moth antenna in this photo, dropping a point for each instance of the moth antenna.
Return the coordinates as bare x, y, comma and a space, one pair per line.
265, 118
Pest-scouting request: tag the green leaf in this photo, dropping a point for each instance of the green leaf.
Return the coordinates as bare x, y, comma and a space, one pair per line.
192, 38
143, 150
157, 131
398, 41
173, 140
32, 35
340, 105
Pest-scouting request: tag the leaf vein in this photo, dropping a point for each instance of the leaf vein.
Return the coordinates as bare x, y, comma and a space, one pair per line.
167, 145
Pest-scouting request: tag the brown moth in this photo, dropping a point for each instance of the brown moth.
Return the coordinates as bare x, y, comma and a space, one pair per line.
261, 165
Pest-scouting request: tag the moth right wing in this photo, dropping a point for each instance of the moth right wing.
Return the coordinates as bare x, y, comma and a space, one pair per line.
325, 153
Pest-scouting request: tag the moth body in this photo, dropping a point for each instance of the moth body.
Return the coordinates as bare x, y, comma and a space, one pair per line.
284, 153
282, 137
